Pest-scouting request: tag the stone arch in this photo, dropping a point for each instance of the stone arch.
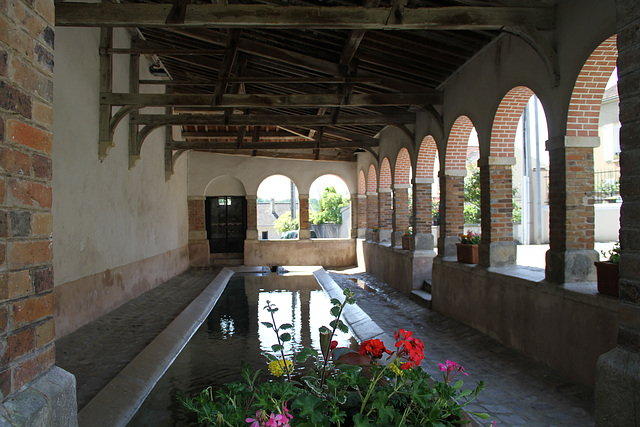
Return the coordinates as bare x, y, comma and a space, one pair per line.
505, 122
372, 198
586, 98
225, 185
426, 158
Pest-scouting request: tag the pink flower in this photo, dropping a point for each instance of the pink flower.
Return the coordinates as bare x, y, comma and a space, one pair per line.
255, 422
449, 368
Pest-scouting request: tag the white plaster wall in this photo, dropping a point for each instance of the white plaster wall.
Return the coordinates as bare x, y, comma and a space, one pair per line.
105, 215
251, 171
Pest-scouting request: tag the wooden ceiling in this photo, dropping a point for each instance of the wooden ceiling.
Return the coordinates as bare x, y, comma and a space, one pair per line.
310, 79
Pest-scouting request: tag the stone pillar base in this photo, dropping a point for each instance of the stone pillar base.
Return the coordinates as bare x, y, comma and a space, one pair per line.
617, 387
424, 242
252, 235
396, 238
498, 254
447, 246
571, 266
48, 401
199, 253
385, 236
362, 233
304, 234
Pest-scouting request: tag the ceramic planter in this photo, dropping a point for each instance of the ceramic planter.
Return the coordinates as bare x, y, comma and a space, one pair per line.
607, 277
467, 253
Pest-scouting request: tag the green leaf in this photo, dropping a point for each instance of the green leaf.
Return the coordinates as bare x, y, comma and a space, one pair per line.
270, 356
335, 311
277, 347
333, 323
325, 341
458, 384
285, 337
324, 330
481, 415
335, 301
286, 326
305, 353
344, 328
267, 324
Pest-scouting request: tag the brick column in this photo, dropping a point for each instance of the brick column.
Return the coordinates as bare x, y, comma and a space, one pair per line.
401, 215
362, 215
451, 211
198, 243
354, 216
385, 212
422, 214
372, 212
252, 217
304, 232
571, 213
497, 248
617, 375
27, 329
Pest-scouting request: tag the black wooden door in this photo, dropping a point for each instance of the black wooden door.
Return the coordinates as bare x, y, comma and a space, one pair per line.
226, 224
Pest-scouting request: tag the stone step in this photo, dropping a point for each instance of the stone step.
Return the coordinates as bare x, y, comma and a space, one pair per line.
426, 286
421, 297
226, 260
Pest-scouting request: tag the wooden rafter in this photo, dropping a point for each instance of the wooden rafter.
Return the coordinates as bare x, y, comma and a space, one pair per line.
311, 17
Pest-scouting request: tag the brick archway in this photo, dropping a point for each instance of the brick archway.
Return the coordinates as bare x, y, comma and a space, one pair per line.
401, 189
422, 188
505, 122
385, 209
372, 198
362, 201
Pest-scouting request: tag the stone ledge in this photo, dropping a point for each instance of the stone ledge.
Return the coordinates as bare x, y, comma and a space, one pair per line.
48, 401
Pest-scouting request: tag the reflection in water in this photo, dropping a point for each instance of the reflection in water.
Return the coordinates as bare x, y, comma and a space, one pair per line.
233, 333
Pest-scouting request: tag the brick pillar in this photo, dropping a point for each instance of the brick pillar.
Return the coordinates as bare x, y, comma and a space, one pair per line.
362, 215
571, 213
451, 211
401, 215
497, 248
372, 211
252, 217
617, 375
304, 232
422, 215
198, 243
385, 210
354, 216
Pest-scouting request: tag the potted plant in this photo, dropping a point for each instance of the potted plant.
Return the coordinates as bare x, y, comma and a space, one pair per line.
607, 272
369, 386
374, 234
406, 238
467, 249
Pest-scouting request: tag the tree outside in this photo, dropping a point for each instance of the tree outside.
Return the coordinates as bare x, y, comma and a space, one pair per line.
329, 207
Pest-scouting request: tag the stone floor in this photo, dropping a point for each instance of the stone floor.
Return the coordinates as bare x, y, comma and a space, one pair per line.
519, 391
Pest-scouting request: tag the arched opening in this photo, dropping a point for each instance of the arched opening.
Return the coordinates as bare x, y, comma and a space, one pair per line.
278, 208
329, 208
403, 193
427, 189
362, 204
225, 216
372, 199
385, 201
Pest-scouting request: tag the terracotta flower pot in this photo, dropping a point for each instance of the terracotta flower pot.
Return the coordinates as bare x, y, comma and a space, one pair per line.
467, 253
374, 236
406, 242
607, 277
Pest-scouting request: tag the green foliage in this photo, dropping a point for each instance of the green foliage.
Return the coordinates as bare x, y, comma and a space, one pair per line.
613, 254
330, 206
472, 196
284, 223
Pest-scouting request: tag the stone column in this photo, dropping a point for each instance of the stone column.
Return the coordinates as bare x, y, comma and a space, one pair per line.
372, 212
571, 213
362, 216
385, 212
401, 213
355, 212
497, 248
304, 232
422, 214
252, 217
198, 243
451, 211
618, 372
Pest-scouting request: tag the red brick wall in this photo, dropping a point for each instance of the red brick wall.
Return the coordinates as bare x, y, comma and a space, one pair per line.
372, 180
385, 174
197, 215
584, 109
456, 157
372, 199
304, 211
451, 205
362, 183
385, 210
496, 205
426, 158
403, 168
27, 328
362, 212
401, 208
505, 123
422, 201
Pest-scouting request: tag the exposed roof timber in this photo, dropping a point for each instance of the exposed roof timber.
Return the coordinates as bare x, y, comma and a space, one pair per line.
284, 155
312, 17
264, 79
157, 120
274, 101
287, 145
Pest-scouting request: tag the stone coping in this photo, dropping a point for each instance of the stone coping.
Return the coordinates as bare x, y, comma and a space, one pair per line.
534, 278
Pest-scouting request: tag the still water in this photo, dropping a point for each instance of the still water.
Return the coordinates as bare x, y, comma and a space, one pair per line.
233, 333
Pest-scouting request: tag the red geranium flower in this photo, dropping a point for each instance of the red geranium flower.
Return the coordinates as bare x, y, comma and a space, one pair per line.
409, 346
373, 348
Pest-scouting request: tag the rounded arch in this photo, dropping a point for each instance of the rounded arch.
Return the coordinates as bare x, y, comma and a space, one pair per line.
372, 180
403, 168
225, 185
505, 122
385, 174
362, 183
586, 98
427, 154
456, 153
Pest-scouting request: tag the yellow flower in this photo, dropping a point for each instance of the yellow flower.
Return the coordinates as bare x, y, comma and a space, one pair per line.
394, 368
277, 367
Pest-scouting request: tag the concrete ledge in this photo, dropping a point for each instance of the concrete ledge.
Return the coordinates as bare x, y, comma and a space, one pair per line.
326, 252
116, 404
48, 401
